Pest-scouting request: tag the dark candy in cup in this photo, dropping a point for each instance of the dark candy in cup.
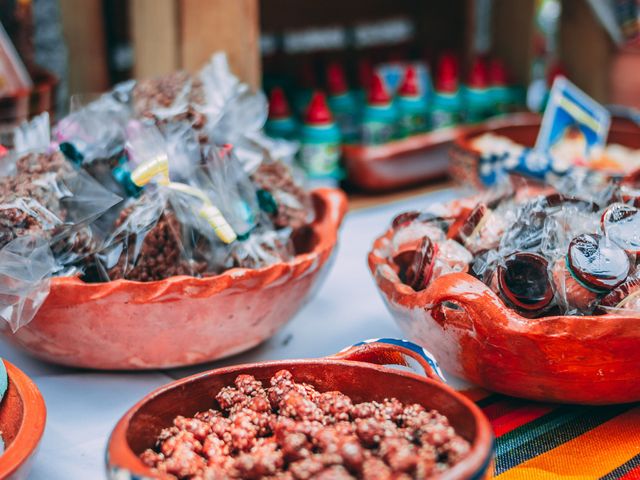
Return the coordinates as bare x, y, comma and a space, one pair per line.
621, 223
468, 224
523, 281
597, 263
419, 272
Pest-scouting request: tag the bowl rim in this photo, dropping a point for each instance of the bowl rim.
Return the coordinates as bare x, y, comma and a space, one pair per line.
334, 205
477, 460
466, 290
32, 427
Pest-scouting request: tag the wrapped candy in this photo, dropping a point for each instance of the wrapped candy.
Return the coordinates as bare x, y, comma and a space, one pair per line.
593, 266
521, 280
623, 300
621, 223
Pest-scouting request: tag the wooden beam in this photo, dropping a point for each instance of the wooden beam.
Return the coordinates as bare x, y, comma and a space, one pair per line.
155, 35
83, 31
233, 26
586, 50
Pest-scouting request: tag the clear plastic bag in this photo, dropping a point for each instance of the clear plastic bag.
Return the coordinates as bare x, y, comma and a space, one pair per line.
26, 265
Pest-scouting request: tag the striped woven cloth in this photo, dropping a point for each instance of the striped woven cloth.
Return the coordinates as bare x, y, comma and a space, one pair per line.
545, 441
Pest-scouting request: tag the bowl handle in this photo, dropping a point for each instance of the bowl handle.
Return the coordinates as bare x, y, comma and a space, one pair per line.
472, 305
392, 351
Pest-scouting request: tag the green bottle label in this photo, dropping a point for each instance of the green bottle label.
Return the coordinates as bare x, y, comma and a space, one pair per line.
321, 159
444, 118
376, 133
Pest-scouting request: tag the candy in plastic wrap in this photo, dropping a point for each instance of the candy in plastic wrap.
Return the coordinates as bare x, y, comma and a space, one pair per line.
231, 109
521, 280
169, 98
480, 229
622, 300
26, 265
147, 243
281, 197
592, 267
621, 223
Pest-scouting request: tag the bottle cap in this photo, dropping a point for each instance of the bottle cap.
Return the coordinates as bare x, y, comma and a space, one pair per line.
278, 105
447, 74
336, 79
498, 76
378, 94
410, 86
479, 75
318, 112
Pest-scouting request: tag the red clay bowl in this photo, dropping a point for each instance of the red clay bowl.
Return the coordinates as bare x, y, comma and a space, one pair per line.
522, 128
183, 320
22, 419
569, 359
355, 371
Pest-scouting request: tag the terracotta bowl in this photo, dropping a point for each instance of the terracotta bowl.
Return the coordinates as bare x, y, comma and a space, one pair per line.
182, 320
522, 128
569, 359
22, 419
355, 371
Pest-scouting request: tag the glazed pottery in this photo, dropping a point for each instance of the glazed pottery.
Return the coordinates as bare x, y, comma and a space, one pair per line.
400, 163
570, 359
182, 320
22, 419
355, 371
521, 128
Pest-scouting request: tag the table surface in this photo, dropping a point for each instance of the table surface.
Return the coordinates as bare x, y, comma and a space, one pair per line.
534, 440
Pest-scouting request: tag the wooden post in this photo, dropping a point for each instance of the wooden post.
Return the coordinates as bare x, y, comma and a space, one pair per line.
83, 30
183, 34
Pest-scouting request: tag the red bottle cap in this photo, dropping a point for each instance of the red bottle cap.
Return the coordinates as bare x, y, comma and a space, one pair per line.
378, 94
278, 105
498, 76
410, 86
478, 76
365, 72
336, 79
318, 112
447, 74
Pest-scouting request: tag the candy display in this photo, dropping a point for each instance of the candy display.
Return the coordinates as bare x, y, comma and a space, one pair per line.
568, 250
290, 430
140, 184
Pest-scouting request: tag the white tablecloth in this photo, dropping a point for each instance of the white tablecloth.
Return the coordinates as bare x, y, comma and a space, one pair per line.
84, 406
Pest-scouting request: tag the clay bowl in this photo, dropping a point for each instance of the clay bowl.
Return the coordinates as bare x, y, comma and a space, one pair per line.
182, 320
522, 128
22, 419
355, 371
569, 359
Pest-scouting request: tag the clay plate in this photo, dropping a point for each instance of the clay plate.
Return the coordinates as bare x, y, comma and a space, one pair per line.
22, 419
570, 359
182, 320
355, 371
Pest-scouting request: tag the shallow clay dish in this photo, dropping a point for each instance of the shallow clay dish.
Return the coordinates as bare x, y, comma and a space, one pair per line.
182, 320
521, 128
355, 371
569, 359
400, 163
22, 419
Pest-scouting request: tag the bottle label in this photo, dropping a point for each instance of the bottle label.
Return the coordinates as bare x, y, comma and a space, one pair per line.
376, 133
444, 118
412, 124
348, 124
321, 159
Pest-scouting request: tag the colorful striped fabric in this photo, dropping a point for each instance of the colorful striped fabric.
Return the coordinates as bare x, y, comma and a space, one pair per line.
544, 441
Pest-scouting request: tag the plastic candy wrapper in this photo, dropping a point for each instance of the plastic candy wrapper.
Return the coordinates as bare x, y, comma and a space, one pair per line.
147, 244
26, 265
564, 253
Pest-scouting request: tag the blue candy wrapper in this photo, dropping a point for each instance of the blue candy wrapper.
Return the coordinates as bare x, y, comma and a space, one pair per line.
571, 114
